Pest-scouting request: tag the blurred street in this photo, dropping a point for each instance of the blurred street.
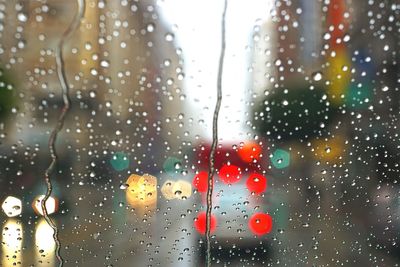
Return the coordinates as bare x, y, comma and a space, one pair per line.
307, 157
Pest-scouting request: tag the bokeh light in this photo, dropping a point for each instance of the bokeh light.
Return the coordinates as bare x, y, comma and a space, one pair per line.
280, 159
182, 189
172, 165
12, 206
142, 190
230, 174
11, 243
330, 149
260, 223
200, 181
119, 161
256, 183
51, 205
249, 152
200, 223
45, 244
166, 189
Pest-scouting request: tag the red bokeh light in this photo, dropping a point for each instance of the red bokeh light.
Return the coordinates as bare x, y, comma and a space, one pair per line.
200, 223
246, 155
200, 181
256, 183
230, 174
249, 152
260, 223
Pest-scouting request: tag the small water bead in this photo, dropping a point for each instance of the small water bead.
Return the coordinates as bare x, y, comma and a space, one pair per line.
150, 27
22, 17
317, 76
123, 186
104, 64
169, 37
167, 62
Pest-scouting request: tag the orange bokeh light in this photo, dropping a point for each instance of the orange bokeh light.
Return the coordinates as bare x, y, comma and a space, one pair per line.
249, 152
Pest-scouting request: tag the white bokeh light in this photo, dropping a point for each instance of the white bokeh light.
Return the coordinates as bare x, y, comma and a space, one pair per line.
12, 206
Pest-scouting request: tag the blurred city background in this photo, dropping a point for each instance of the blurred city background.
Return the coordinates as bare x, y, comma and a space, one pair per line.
307, 166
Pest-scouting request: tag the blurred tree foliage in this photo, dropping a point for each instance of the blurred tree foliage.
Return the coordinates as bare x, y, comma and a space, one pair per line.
295, 112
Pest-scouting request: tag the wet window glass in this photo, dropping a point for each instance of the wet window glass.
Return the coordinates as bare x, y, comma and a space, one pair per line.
199, 133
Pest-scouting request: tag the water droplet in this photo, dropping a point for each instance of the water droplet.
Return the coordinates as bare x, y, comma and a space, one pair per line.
22, 17
178, 165
104, 63
167, 62
169, 37
317, 76
150, 27
123, 186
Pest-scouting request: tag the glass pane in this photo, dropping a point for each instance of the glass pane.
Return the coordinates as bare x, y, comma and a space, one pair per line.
199, 133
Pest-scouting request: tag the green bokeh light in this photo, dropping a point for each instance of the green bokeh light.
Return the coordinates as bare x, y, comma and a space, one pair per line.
172, 165
280, 159
120, 161
356, 96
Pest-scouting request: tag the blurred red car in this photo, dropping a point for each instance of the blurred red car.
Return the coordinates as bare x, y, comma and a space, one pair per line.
240, 211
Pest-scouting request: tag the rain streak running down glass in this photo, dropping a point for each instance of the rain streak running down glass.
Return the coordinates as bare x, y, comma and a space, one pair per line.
199, 133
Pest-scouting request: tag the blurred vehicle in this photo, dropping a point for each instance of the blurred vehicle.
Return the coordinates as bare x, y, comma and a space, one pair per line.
242, 208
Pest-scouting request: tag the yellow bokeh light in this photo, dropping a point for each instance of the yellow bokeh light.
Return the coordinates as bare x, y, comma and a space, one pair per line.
45, 244
339, 75
166, 190
51, 205
330, 150
182, 189
142, 190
